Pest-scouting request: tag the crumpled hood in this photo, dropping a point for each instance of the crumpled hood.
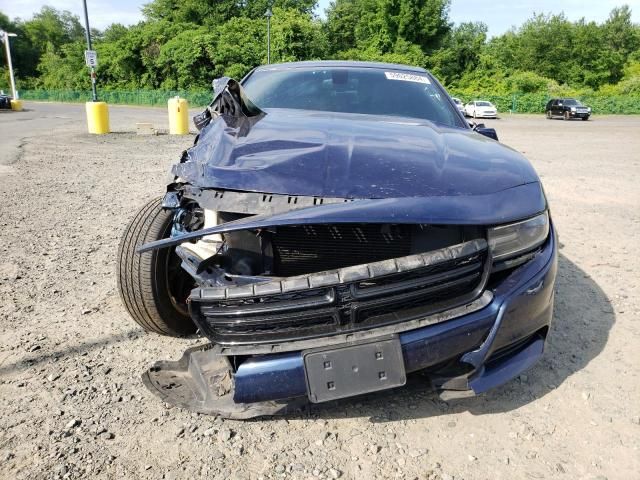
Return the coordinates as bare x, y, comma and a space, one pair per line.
349, 156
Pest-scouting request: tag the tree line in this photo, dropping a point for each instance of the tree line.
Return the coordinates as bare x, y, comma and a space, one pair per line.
183, 45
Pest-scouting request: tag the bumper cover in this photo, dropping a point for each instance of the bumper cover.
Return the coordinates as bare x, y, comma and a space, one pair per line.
522, 306
580, 114
496, 343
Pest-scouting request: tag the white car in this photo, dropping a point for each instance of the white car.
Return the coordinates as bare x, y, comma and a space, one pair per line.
459, 104
481, 109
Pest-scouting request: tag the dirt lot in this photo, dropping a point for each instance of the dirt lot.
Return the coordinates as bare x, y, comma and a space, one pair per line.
72, 404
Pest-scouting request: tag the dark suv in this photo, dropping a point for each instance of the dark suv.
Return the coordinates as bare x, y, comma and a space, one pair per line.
5, 102
567, 108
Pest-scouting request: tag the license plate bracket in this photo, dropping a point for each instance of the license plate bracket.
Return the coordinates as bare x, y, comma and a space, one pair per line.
354, 369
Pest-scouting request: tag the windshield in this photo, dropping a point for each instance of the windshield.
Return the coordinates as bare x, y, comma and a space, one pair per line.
571, 101
483, 104
371, 91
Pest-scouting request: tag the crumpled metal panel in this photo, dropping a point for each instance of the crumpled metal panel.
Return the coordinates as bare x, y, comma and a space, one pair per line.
326, 154
492, 209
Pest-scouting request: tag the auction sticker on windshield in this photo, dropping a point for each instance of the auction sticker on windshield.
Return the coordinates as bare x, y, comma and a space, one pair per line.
407, 77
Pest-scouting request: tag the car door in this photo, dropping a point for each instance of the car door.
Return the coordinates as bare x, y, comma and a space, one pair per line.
557, 109
548, 106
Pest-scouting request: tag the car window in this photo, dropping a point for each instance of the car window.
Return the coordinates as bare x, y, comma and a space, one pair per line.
371, 91
571, 101
483, 104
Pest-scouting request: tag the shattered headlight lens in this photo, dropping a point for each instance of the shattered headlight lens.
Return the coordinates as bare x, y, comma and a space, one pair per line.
515, 239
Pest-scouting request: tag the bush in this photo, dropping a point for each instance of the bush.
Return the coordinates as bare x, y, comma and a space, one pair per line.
196, 98
516, 102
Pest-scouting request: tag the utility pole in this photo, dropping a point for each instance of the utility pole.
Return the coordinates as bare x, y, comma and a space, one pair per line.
4, 36
88, 36
268, 14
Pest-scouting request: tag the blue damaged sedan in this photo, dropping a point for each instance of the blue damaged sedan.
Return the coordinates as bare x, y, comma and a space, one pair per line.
335, 227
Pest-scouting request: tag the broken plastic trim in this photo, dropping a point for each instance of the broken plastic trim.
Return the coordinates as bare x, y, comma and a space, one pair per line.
229, 99
202, 381
338, 294
346, 274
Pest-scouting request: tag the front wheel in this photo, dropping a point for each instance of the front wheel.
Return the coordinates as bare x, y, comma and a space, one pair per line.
567, 115
153, 286
548, 115
584, 119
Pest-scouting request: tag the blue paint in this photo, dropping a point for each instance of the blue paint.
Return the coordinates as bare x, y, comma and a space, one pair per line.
499, 373
491, 209
270, 377
322, 154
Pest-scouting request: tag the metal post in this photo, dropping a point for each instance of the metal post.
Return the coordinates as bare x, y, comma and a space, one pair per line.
268, 14
5, 39
88, 37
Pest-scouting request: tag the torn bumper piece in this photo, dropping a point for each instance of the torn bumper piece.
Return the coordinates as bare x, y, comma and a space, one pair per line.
499, 338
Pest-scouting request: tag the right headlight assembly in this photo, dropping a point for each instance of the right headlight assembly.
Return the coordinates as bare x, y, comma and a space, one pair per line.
516, 239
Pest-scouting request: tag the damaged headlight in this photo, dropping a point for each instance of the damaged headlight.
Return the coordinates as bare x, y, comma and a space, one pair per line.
514, 239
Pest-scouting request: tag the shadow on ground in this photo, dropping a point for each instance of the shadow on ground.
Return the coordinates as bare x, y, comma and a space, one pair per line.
36, 358
583, 317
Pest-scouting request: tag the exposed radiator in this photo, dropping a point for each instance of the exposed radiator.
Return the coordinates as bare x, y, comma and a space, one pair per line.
312, 248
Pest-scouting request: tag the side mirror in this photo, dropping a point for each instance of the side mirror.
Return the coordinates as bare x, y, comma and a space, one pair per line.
487, 132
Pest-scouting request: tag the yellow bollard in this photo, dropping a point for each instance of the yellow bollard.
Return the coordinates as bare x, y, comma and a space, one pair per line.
178, 116
16, 105
97, 117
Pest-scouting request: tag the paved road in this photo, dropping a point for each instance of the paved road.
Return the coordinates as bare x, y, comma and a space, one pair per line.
38, 118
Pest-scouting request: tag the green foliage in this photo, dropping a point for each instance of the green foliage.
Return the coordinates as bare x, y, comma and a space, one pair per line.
24, 55
528, 82
295, 37
186, 60
182, 45
196, 98
63, 67
461, 52
381, 25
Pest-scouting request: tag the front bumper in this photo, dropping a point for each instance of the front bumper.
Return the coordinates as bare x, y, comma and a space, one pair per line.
580, 114
486, 348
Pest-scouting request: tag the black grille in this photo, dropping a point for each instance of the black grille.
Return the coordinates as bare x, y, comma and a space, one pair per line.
345, 307
312, 248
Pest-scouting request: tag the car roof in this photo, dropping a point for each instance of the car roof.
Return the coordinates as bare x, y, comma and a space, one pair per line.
340, 63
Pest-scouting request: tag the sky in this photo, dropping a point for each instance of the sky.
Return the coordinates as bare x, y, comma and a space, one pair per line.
499, 15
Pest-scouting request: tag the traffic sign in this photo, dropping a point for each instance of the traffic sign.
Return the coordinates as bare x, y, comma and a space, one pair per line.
91, 58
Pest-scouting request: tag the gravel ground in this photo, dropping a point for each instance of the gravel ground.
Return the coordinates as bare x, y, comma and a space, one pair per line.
73, 404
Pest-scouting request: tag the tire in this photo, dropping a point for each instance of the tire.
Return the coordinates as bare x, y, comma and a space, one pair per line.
548, 114
566, 116
584, 119
474, 115
153, 287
